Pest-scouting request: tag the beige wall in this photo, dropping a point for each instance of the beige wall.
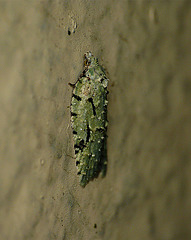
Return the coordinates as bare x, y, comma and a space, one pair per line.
145, 47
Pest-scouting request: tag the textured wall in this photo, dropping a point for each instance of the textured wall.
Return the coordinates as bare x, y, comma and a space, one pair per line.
145, 46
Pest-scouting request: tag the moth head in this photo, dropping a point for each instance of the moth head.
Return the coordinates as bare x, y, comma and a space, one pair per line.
90, 60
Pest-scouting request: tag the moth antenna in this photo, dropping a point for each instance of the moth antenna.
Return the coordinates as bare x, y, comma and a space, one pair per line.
72, 85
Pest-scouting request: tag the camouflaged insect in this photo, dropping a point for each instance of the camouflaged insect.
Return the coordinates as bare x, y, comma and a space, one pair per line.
89, 120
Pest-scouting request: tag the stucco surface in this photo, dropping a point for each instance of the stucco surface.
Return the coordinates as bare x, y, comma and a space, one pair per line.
145, 48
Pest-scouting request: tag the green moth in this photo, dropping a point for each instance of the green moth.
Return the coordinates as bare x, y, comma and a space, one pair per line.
89, 120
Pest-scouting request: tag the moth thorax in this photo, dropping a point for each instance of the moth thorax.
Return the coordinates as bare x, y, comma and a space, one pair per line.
86, 90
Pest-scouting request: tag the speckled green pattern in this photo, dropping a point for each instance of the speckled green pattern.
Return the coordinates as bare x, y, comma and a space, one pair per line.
89, 120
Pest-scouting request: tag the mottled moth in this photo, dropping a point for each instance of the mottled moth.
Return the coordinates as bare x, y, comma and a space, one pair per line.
89, 120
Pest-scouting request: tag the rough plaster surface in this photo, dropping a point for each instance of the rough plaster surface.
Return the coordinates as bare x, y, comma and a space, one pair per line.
145, 46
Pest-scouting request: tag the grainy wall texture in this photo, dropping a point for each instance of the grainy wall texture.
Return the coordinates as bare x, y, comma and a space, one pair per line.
145, 47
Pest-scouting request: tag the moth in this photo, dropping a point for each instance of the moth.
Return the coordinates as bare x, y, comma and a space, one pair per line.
89, 120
